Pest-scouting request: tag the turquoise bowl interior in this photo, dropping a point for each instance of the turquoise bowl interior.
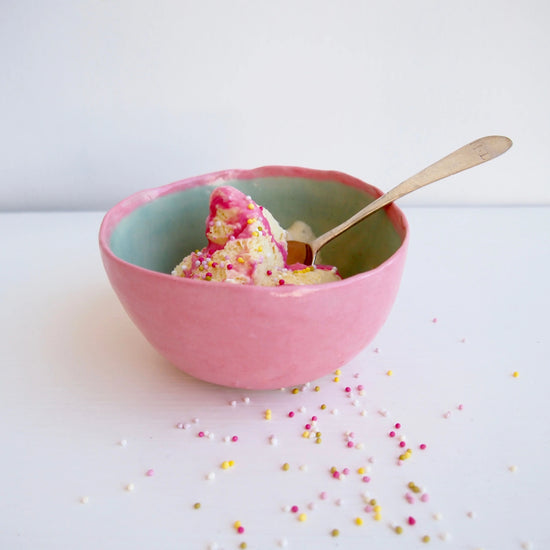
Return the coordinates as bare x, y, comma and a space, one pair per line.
158, 234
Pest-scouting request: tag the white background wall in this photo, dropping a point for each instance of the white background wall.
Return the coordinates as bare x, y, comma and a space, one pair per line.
101, 98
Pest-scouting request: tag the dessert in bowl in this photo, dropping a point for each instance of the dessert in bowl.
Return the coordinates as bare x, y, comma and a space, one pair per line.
244, 335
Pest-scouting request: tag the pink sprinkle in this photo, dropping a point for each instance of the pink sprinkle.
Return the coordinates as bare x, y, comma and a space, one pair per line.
229, 266
240, 529
366, 479
235, 438
397, 425
447, 414
425, 497
350, 444
345, 471
392, 434
422, 446
150, 473
314, 419
323, 495
460, 407
281, 281
307, 426
434, 320
409, 498
269, 272
347, 389
411, 520
360, 387
291, 414
402, 443
294, 509
201, 434
368, 508
336, 474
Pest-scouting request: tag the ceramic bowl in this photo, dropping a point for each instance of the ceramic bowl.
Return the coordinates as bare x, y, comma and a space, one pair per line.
247, 336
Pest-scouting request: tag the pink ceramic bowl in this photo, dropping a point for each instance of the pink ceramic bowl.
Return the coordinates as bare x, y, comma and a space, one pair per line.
245, 336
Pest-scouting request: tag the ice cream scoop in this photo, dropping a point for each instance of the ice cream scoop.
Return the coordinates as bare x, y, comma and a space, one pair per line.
468, 156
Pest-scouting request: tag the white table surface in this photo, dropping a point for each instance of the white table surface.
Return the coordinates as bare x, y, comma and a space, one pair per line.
87, 408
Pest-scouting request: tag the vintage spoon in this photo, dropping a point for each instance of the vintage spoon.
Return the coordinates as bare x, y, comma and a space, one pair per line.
468, 156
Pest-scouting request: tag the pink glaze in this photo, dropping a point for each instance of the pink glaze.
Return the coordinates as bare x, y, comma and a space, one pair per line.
248, 336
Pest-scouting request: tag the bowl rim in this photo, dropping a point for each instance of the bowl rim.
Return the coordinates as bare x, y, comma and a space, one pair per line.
126, 206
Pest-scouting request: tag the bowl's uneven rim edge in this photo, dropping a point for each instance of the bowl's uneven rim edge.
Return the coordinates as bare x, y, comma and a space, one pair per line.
128, 205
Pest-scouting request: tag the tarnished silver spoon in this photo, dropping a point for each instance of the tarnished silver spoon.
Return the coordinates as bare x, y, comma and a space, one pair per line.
468, 156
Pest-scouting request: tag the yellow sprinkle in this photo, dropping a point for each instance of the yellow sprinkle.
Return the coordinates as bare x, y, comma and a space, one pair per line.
237, 524
377, 517
317, 388
250, 221
240, 260
286, 466
333, 469
225, 465
361, 470
302, 517
197, 505
231, 463
372, 502
336, 379
268, 414
260, 228
250, 206
389, 373
318, 434
337, 372
515, 374
305, 434
425, 538
377, 509
358, 521
260, 249
295, 390
323, 407
243, 545
255, 234
399, 529
318, 440
335, 532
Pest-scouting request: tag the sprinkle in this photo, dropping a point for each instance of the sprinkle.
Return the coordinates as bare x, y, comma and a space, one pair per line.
240, 529
246, 400
422, 446
411, 520
150, 472
337, 372
283, 543
365, 479
195, 420
447, 414
397, 425
323, 495
399, 529
295, 391
303, 468
336, 379
130, 487
317, 388
437, 516
286, 466
85, 500
250, 206
243, 545
402, 443
281, 282
302, 517
392, 434
267, 414
197, 505
513, 468
347, 389
229, 267
515, 374
389, 373
269, 272
211, 476
335, 532
123, 443
273, 440
294, 509
425, 497
235, 438
358, 521
425, 538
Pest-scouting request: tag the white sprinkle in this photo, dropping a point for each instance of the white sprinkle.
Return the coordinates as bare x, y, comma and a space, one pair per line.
334, 412
372, 459
286, 508
447, 414
246, 400
471, 515
233, 403
338, 502
376, 350
84, 500
527, 545
445, 536
195, 420
130, 487
273, 440
302, 409
211, 436
383, 412
303, 468
179, 425
283, 543
210, 476
123, 443
437, 516
226, 439
359, 446
312, 506
513, 468
355, 402
363, 412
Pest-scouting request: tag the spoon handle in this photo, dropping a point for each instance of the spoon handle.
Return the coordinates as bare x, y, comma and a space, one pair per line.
468, 156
